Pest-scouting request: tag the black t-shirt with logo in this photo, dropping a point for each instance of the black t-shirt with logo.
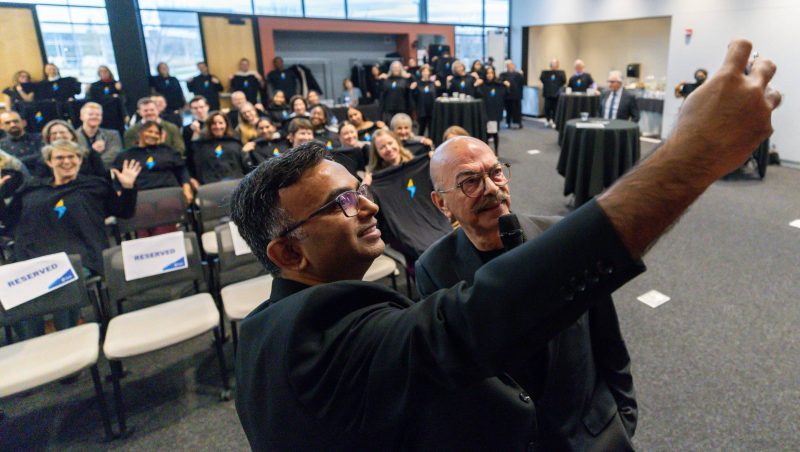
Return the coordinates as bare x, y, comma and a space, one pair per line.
216, 160
71, 217
162, 166
266, 149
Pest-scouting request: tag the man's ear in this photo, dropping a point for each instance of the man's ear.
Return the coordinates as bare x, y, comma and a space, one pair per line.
285, 254
438, 201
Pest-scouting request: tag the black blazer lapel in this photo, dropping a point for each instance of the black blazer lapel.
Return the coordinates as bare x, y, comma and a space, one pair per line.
467, 259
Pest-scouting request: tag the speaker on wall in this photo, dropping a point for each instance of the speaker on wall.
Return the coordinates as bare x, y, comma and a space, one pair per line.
633, 70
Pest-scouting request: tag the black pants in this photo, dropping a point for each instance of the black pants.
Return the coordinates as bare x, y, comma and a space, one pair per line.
496, 138
423, 124
550, 104
513, 111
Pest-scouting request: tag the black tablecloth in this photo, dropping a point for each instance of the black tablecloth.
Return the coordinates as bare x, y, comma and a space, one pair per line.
592, 159
654, 105
468, 114
371, 112
570, 106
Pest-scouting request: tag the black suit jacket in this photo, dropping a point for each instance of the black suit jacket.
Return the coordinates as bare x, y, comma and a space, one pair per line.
628, 108
587, 377
353, 365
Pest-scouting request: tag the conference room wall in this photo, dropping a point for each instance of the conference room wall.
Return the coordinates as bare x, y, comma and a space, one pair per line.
20, 45
603, 46
770, 24
338, 50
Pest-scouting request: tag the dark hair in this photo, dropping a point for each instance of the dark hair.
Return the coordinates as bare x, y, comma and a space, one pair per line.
298, 124
207, 126
147, 124
198, 98
255, 204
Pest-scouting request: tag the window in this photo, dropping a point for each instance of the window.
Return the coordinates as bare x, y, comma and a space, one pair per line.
77, 39
469, 44
173, 37
98, 3
227, 6
455, 12
325, 8
397, 10
291, 8
496, 12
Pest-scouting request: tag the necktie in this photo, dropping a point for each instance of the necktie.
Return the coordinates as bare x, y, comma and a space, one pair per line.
610, 114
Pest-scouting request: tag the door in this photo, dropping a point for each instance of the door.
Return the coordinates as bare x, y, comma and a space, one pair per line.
226, 40
21, 46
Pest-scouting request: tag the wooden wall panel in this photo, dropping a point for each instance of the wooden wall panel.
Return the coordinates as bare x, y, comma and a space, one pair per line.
226, 40
19, 48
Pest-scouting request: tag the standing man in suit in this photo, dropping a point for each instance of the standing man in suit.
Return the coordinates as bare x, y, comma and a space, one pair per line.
580, 381
553, 82
333, 363
581, 81
616, 103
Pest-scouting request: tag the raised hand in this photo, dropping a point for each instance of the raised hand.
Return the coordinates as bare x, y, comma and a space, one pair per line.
130, 171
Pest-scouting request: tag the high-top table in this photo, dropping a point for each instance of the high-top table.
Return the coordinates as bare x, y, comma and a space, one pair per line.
570, 106
468, 114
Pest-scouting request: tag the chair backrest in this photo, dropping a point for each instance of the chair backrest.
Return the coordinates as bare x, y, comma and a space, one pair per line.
233, 268
157, 207
213, 202
69, 296
404, 195
158, 288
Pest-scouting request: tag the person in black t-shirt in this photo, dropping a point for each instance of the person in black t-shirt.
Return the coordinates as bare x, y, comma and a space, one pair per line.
281, 79
278, 109
395, 92
423, 94
494, 91
683, 89
54, 86
247, 81
194, 131
162, 166
581, 81
351, 153
17, 92
206, 85
478, 69
553, 82
107, 86
268, 144
365, 127
459, 82
169, 87
65, 213
323, 131
218, 155
513, 94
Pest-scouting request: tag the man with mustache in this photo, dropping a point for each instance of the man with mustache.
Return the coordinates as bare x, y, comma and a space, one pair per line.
580, 382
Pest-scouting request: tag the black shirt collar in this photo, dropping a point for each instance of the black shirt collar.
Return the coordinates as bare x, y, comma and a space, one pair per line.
282, 288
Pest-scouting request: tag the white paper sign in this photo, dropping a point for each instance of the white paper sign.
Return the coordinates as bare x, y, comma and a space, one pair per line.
590, 125
24, 281
154, 255
653, 298
795, 223
491, 127
239, 245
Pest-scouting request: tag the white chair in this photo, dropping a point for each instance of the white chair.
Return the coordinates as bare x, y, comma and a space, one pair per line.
35, 362
169, 322
213, 207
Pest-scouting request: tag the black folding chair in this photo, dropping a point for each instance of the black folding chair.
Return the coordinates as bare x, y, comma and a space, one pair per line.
242, 280
34, 362
213, 209
182, 312
154, 208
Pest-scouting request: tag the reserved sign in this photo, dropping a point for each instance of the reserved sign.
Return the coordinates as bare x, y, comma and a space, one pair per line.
240, 247
24, 281
154, 255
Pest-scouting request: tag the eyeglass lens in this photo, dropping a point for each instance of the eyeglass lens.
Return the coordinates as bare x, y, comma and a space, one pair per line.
474, 184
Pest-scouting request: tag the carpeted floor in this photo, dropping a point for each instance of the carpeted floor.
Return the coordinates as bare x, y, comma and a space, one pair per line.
717, 367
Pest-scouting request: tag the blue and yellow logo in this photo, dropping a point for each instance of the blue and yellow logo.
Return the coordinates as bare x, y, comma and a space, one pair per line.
38, 117
552, 76
150, 163
218, 151
412, 189
166, 82
427, 89
60, 208
492, 93
246, 83
106, 91
394, 84
329, 145
205, 84
368, 138
283, 75
55, 86
579, 82
276, 152
462, 84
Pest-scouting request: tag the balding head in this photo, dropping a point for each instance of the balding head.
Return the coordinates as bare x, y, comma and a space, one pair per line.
579, 66
238, 99
12, 123
614, 80
554, 64
456, 163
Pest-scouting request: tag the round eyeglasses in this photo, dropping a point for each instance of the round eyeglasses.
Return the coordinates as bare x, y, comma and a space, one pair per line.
472, 184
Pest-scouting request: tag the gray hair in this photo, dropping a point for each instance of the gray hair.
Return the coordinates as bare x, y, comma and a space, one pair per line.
400, 119
63, 145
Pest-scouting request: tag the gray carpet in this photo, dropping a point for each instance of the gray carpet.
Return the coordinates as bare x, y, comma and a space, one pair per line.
717, 367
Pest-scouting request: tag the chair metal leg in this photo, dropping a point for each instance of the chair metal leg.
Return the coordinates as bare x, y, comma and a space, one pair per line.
101, 401
234, 337
116, 375
223, 369
394, 281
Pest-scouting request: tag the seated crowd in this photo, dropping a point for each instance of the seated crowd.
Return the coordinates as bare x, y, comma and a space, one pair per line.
67, 180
